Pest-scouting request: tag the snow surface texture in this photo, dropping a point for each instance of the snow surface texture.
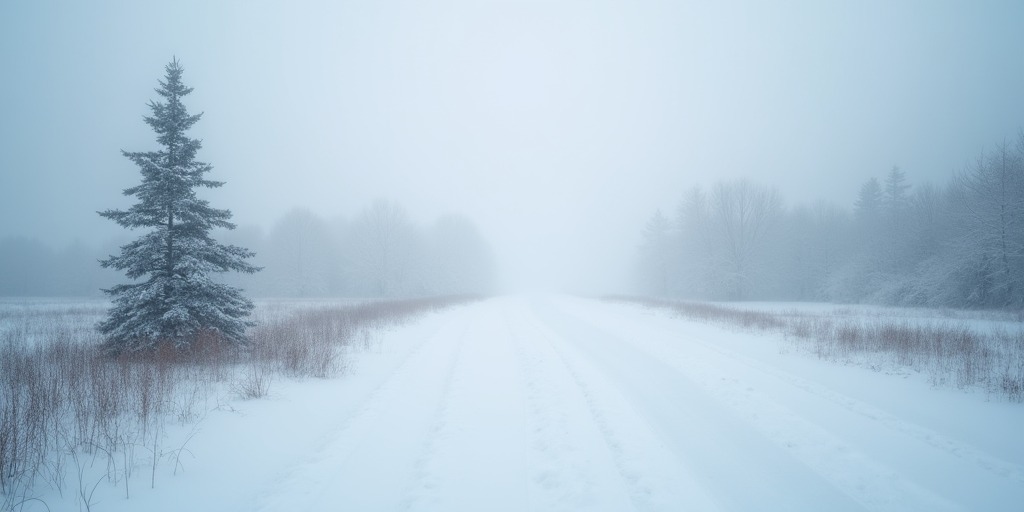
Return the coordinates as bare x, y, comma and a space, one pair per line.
553, 403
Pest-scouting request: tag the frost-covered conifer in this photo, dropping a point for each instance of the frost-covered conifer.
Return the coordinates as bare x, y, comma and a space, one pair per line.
172, 297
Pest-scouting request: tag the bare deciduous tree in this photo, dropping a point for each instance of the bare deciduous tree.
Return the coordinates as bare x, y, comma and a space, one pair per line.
742, 215
385, 250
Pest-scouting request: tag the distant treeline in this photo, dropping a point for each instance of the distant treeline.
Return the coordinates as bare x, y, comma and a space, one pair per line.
29, 267
380, 252
958, 245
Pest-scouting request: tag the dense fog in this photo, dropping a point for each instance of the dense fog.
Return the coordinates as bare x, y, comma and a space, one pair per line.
959, 244
520, 145
381, 252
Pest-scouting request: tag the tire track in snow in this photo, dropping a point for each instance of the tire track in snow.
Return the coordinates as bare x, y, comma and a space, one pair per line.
637, 492
649, 479
561, 471
421, 491
362, 461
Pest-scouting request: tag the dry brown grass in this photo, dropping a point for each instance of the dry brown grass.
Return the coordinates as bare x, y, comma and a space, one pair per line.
950, 353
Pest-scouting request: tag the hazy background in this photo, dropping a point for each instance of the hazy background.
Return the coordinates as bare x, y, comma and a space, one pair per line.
556, 126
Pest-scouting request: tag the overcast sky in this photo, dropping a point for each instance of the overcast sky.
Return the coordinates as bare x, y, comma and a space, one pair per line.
558, 126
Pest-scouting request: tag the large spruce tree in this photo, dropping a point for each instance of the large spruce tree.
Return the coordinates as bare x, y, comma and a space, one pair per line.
172, 298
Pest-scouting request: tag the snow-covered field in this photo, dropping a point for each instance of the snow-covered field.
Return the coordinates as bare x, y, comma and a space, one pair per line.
1010, 321
559, 403
28, 318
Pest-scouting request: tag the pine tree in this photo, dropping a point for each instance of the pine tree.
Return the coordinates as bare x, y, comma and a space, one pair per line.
894, 233
172, 297
896, 187
656, 255
869, 201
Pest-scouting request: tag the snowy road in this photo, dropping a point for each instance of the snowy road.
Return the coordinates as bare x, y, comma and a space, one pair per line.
559, 404
564, 404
